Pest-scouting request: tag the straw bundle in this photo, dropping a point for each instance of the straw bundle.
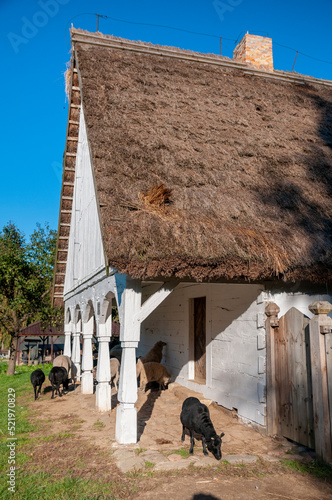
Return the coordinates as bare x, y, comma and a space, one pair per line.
157, 197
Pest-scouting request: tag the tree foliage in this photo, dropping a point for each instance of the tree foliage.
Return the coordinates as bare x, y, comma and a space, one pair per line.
26, 272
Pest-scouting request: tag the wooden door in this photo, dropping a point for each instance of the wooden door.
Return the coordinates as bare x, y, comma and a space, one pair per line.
200, 339
293, 388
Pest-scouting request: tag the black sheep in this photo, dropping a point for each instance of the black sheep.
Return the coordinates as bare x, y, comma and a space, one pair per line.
195, 417
37, 378
58, 375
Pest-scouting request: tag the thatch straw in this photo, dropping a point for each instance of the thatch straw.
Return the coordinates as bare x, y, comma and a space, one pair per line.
246, 161
67, 75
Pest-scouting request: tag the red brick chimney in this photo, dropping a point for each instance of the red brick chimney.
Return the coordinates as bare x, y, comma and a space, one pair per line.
255, 51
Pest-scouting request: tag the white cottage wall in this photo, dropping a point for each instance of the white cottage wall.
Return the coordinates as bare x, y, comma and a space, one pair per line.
235, 343
301, 300
85, 249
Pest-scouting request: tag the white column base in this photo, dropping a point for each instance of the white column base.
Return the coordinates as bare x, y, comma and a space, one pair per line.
126, 424
87, 383
78, 371
103, 396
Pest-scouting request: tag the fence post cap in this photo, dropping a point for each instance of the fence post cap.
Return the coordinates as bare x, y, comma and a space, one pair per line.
271, 309
320, 307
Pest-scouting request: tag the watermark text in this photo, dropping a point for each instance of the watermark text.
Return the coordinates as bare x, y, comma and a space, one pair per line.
11, 445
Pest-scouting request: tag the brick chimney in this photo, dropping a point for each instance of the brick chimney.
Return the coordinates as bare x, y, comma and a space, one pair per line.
255, 51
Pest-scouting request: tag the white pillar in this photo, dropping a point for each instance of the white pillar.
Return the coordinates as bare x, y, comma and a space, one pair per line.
76, 354
126, 414
87, 360
67, 346
103, 389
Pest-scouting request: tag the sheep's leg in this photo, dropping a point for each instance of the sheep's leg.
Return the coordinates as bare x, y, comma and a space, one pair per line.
53, 392
192, 442
36, 393
183, 433
204, 446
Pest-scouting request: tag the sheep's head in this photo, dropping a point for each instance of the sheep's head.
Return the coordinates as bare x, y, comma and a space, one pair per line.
166, 381
214, 445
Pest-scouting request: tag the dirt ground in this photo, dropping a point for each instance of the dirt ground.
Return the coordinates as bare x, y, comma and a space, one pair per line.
74, 420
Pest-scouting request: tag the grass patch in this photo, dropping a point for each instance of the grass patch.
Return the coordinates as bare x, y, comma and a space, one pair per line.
182, 451
42, 486
99, 425
65, 435
149, 465
316, 468
32, 480
140, 450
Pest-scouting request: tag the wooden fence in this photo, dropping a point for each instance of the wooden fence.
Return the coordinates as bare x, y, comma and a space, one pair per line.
299, 376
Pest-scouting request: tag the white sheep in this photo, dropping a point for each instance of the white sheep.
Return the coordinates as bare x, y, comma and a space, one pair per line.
152, 372
66, 362
155, 354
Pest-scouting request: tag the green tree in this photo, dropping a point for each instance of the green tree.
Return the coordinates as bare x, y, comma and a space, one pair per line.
25, 282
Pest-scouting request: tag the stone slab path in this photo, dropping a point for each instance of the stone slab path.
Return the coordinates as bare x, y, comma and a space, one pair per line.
159, 433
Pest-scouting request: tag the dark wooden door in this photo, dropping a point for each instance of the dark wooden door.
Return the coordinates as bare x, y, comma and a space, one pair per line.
200, 338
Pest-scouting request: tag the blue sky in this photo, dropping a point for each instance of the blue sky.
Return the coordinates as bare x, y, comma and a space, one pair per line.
35, 47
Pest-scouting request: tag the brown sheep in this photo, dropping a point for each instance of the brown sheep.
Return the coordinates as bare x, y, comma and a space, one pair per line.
152, 372
155, 354
115, 372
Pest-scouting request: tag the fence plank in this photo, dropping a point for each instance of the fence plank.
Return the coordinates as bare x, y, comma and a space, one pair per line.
319, 325
294, 403
271, 326
328, 348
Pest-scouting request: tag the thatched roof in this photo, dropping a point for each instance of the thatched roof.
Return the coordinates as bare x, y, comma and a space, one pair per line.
246, 161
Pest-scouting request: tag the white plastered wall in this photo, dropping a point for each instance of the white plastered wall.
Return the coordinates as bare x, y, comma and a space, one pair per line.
85, 249
235, 343
300, 299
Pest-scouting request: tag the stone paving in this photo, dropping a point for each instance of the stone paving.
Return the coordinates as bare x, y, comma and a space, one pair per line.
159, 432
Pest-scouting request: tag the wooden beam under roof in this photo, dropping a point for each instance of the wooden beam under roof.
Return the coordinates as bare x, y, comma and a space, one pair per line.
67, 190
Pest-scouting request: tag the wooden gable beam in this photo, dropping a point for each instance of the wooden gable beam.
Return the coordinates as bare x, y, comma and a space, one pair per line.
154, 301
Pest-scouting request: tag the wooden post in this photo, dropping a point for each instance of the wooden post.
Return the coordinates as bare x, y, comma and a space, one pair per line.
319, 326
271, 325
19, 343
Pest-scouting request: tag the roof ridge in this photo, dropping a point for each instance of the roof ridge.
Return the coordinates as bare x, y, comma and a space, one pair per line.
217, 60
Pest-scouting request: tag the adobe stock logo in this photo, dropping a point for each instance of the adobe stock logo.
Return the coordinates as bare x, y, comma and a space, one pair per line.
222, 7
30, 27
